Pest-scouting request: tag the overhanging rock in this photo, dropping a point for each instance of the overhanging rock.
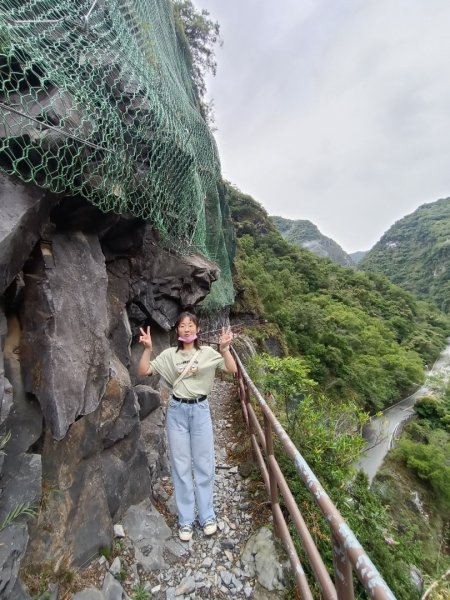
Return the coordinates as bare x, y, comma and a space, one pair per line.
24, 213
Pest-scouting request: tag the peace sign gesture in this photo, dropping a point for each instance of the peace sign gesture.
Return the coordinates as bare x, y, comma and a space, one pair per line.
145, 338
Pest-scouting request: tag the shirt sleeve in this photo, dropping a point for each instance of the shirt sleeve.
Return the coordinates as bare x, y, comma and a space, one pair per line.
217, 359
162, 365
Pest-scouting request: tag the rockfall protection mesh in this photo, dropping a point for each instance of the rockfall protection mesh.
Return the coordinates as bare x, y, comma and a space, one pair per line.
96, 99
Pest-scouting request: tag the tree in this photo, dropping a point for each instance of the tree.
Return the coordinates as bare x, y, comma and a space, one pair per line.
197, 36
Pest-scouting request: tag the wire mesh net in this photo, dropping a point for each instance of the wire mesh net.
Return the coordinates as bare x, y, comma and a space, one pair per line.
96, 100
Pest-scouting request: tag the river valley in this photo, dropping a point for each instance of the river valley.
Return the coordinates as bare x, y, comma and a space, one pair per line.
382, 431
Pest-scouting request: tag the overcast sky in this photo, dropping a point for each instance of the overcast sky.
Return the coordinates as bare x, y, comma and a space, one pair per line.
336, 111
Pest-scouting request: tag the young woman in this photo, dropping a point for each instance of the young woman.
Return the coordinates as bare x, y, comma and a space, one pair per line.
190, 370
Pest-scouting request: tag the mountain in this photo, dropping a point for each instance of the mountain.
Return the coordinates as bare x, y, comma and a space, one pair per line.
357, 256
306, 235
415, 253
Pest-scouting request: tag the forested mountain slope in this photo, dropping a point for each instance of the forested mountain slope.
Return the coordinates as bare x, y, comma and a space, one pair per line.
415, 253
362, 337
306, 235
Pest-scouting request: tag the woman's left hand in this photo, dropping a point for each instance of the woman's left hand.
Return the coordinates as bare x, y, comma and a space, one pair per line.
225, 339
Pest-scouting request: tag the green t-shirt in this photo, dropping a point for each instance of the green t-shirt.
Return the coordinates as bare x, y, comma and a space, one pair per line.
199, 380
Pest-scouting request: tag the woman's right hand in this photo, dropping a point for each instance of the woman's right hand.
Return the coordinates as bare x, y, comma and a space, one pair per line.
145, 338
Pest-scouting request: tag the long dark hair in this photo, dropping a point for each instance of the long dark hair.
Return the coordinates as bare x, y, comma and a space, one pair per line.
196, 322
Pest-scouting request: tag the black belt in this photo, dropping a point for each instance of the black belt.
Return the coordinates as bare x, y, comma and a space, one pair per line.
190, 400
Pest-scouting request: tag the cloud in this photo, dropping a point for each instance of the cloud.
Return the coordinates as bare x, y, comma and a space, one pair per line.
335, 112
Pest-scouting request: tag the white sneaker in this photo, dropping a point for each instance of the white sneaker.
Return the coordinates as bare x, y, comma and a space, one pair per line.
210, 527
185, 532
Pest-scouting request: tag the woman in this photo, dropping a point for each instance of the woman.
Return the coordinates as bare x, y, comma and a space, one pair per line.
190, 370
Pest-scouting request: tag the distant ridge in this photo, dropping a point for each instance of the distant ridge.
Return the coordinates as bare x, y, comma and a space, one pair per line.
358, 256
306, 235
415, 253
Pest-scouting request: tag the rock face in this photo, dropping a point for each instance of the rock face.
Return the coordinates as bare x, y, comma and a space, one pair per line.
84, 433
64, 351
306, 235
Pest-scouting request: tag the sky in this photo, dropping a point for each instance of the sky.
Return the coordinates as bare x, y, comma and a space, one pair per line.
335, 111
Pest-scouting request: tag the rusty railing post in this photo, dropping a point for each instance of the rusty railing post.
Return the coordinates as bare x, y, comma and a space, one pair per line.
343, 572
274, 498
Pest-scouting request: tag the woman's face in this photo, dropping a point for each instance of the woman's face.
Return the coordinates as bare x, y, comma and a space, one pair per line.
187, 327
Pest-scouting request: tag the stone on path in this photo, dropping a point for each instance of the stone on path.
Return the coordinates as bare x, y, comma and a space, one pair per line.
89, 594
261, 558
148, 532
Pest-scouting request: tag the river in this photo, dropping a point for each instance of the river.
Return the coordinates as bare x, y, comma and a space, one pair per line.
381, 432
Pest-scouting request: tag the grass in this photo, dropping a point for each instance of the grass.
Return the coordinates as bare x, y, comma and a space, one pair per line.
140, 593
38, 577
18, 511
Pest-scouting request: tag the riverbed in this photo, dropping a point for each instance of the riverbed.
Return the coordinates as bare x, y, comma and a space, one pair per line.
381, 432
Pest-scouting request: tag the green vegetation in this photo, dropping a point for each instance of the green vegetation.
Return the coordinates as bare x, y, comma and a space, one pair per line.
140, 593
415, 253
425, 447
197, 35
353, 342
362, 338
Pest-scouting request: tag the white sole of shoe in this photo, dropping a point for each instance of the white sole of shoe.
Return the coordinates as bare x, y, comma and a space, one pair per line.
210, 530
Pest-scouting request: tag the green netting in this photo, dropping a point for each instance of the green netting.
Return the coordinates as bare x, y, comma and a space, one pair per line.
96, 99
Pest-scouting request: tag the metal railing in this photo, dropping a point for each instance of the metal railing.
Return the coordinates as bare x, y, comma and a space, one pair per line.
348, 554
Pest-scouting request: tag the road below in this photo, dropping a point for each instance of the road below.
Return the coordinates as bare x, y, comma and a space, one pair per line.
381, 432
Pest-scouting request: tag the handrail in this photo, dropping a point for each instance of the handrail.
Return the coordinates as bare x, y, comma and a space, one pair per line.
348, 554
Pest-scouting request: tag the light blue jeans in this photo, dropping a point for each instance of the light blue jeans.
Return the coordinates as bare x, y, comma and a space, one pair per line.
191, 448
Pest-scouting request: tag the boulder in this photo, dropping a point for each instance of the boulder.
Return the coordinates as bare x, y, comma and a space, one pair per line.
119, 328
126, 476
89, 594
163, 282
262, 560
74, 521
154, 438
119, 407
148, 532
148, 398
112, 590
64, 350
